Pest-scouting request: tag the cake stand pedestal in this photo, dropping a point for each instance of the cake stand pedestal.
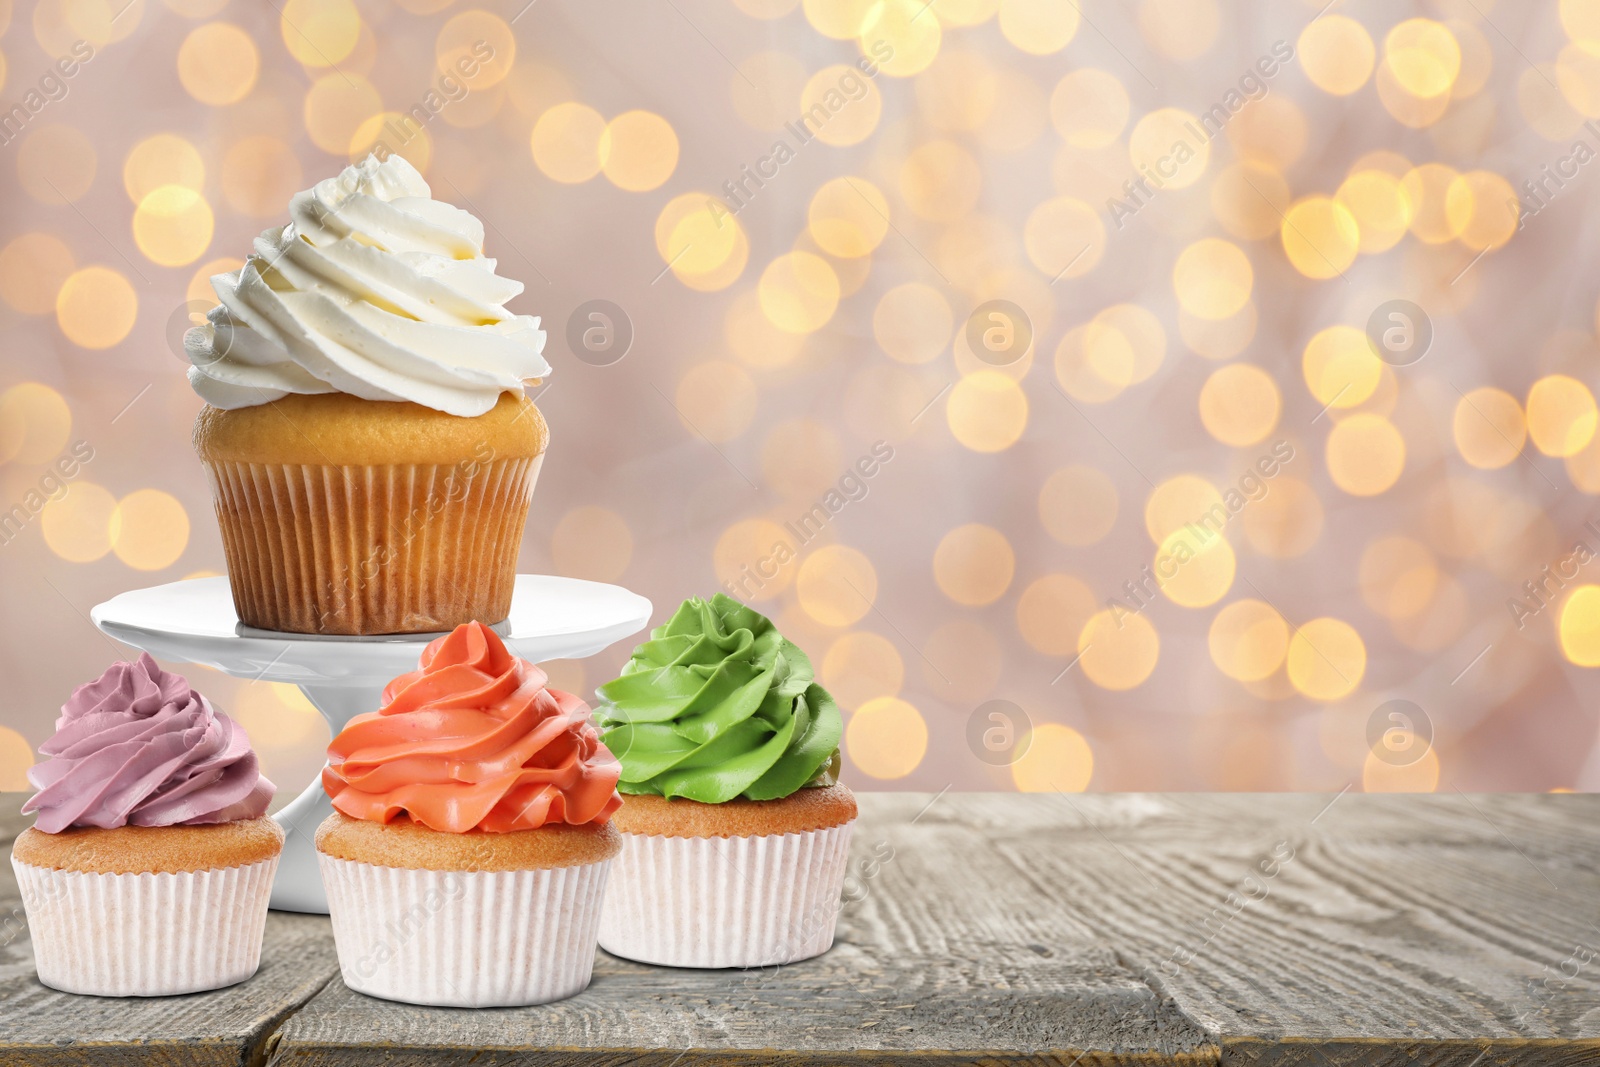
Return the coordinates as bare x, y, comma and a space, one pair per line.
195, 622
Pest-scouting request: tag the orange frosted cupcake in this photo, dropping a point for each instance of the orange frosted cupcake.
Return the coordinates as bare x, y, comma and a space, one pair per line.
466, 858
368, 445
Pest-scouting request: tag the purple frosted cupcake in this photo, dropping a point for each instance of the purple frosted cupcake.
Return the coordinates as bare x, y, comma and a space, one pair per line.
148, 869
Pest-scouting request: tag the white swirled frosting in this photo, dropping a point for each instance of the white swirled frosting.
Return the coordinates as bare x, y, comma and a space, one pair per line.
373, 289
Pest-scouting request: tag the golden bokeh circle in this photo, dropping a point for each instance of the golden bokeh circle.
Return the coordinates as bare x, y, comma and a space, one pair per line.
149, 530
1340, 367
1380, 205
77, 524
1579, 628
696, 234
1089, 108
1488, 428
1240, 404
1336, 53
837, 585
754, 559
1177, 502
1320, 237
638, 151
886, 738
1326, 660
1055, 759
1118, 649
173, 226
96, 307
319, 33
987, 411
1365, 454
1248, 640
16, 757
799, 292
1038, 27
839, 19
899, 38
839, 106
218, 63
1561, 415
162, 159
476, 40
973, 564
566, 142
1482, 209
336, 105
1423, 56
1195, 566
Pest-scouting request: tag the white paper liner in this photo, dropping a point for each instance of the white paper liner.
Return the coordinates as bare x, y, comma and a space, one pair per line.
466, 939
145, 935
725, 901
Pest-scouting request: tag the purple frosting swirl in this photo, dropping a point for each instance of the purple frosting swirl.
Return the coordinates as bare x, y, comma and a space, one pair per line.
138, 746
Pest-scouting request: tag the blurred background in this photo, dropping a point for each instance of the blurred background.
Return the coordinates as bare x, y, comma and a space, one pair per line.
1152, 394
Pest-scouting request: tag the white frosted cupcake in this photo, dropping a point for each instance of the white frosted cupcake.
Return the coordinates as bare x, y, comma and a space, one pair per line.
736, 831
148, 870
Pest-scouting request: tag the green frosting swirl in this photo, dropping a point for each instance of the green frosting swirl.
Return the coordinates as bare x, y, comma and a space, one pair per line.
717, 705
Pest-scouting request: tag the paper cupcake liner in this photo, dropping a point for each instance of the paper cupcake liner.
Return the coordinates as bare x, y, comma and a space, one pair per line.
464, 939
403, 548
725, 901
145, 935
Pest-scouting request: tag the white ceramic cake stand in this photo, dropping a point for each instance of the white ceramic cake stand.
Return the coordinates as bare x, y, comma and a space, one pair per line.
194, 622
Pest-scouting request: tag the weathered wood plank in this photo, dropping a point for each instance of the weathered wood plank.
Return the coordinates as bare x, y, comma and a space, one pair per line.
1448, 930
226, 1027
940, 952
1439, 929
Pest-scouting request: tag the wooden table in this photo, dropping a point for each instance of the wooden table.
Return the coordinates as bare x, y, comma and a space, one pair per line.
995, 929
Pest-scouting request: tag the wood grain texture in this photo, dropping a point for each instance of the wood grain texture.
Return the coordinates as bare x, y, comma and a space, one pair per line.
1257, 931
938, 951
229, 1026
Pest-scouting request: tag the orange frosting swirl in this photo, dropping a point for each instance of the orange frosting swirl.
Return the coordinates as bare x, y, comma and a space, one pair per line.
474, 740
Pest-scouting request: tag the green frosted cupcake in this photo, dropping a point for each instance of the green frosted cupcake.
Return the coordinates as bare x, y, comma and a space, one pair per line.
736, 828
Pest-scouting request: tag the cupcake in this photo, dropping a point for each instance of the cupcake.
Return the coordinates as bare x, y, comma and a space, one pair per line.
148, 867
467, 854
736, 829
368, 444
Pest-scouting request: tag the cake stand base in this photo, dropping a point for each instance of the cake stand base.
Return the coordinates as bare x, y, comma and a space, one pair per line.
195, 622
